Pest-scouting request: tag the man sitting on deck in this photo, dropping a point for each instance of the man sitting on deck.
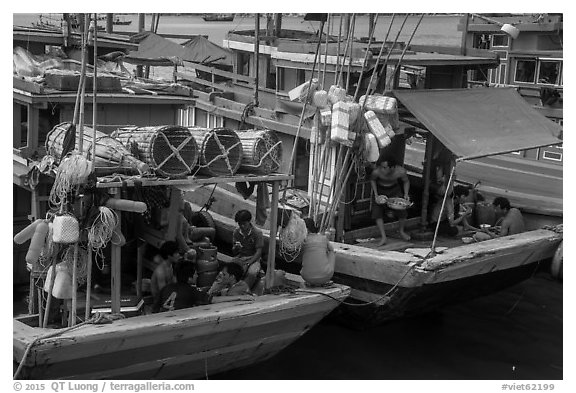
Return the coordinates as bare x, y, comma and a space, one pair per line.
181, 294
248, 243
512, 220
163, 274
232, 283
385, 180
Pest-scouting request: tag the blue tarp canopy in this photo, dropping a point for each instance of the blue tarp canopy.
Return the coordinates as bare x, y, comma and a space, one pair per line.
480, 122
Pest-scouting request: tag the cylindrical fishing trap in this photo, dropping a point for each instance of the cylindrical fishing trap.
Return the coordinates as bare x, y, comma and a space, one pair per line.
110, 154
261, 151
220, 151
170, 150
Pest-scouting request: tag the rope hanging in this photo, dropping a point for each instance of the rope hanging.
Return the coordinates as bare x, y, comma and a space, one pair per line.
102, 229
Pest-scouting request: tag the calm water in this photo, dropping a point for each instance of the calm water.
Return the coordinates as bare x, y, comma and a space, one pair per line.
440, 30
512, 335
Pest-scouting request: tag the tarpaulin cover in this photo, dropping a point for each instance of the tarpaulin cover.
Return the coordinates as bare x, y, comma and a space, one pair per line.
200, 50
155, 50
480, 122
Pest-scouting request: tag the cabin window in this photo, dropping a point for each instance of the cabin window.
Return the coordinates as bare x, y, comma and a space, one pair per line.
244, 64
525, 71
300, 77
500, 40
215, 121
549, 72
481, 41
552, 155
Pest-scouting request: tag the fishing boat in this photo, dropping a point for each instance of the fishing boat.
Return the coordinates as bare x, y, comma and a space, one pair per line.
187, 343
218, 17
389, 279
531, 62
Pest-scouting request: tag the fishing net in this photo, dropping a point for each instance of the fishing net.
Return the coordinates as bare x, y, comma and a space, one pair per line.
292, 237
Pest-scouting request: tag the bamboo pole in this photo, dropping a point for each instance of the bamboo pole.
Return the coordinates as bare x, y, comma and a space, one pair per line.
351, 51
291, 163
323, 171
72, 320
370, 37
397, 67
348, 39
83, 77
338, 52
326, 52
256, 57
50, 289
271, 263
371, 88
88, 283
94, 94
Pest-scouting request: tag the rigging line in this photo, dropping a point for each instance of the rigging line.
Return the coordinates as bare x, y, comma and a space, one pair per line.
365, 57
397, 67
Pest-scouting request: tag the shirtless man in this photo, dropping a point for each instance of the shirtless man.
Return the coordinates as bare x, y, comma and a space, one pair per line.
163, 274
512, 220
385, 180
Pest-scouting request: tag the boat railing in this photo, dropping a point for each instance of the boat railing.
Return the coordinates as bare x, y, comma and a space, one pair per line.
213, 72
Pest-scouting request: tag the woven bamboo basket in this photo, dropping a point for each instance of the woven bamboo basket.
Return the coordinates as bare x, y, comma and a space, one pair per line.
261, 151
220, 151
110, 154
170, 150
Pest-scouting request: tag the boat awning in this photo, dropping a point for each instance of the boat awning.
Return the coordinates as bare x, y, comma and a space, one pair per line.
475, 123
200, 50
154, 50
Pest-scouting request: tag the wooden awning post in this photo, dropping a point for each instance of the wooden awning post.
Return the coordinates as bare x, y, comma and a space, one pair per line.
115, 268
271, 263
426, 173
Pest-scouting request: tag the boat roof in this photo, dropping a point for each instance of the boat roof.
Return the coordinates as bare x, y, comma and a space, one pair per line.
155, 50
474, 123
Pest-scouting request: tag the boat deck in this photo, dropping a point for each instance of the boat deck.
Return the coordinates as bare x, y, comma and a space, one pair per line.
395, 243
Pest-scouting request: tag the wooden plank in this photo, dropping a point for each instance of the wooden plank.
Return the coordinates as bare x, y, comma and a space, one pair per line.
191, 181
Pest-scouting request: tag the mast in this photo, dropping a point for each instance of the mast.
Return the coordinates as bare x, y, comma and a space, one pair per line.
256, 57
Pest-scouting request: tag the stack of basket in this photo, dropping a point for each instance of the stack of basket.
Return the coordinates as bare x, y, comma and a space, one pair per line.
170, 150
261, 151
220, 151
110, 154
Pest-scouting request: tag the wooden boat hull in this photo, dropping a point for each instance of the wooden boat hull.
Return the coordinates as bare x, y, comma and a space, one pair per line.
190, 343
398, 284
